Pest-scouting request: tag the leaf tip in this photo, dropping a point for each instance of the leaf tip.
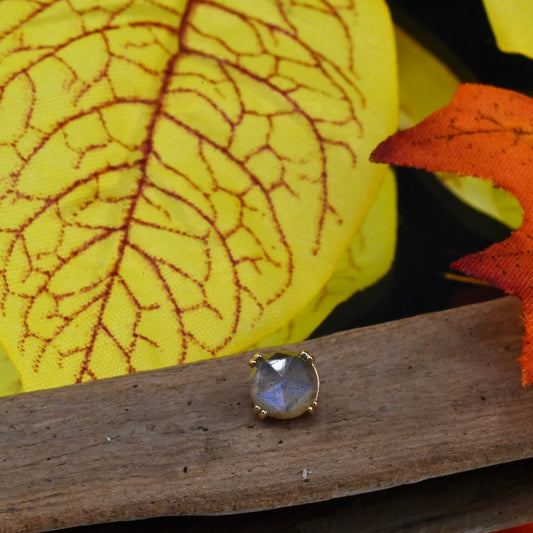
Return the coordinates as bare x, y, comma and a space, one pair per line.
382, 153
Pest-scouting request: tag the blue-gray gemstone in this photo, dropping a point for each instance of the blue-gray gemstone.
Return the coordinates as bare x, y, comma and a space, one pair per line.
283, 384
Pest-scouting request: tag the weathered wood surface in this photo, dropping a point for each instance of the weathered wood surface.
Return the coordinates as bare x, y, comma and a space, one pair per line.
476, 501
400, 402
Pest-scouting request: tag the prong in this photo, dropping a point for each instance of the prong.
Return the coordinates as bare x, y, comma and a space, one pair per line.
312, 408
254, 360
306, 357
260, 412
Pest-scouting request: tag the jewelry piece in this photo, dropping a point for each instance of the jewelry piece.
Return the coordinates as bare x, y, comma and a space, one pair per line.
283, 384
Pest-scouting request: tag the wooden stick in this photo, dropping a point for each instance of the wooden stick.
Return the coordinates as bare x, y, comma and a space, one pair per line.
478, 501
400, 402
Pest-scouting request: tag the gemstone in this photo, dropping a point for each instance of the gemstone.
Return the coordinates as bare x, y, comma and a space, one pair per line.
283, 384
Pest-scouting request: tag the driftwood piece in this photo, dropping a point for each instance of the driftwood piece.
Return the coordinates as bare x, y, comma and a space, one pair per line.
400, 402
477, 501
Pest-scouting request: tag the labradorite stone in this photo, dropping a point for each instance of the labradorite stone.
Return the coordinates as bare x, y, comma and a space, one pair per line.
283, 385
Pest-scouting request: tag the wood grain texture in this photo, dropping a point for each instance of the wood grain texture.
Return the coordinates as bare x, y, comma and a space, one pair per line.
400, 402
478, 501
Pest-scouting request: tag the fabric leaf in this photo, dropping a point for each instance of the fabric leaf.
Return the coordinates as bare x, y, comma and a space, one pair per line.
485, 132
9, 379
178, 179
368, 258
425, 85
511, 23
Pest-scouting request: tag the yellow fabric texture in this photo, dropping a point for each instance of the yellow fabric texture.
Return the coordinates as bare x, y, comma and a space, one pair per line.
9, 379
177, 179
511, 23
368, 258
426, 84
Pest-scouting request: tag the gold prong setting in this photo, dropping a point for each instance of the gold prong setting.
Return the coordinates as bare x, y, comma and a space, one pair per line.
284, 384
253, 362
260, 412
312, 408
306, 357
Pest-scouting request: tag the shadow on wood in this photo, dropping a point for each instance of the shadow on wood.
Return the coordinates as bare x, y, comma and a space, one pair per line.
483, 500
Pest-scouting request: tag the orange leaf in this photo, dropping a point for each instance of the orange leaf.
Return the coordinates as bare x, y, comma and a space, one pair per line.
488, 133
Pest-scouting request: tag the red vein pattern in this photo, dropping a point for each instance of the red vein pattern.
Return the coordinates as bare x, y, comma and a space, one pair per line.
168, 169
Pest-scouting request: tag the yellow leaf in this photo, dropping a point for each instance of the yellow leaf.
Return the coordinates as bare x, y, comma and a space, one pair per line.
511, 23
9, 378
178, 179
426, 84
368, 258
424, 81
483, 196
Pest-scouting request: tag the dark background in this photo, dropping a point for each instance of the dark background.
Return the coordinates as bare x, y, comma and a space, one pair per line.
434, 230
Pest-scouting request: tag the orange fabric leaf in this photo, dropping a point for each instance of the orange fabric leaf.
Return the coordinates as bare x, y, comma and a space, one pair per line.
485, 132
